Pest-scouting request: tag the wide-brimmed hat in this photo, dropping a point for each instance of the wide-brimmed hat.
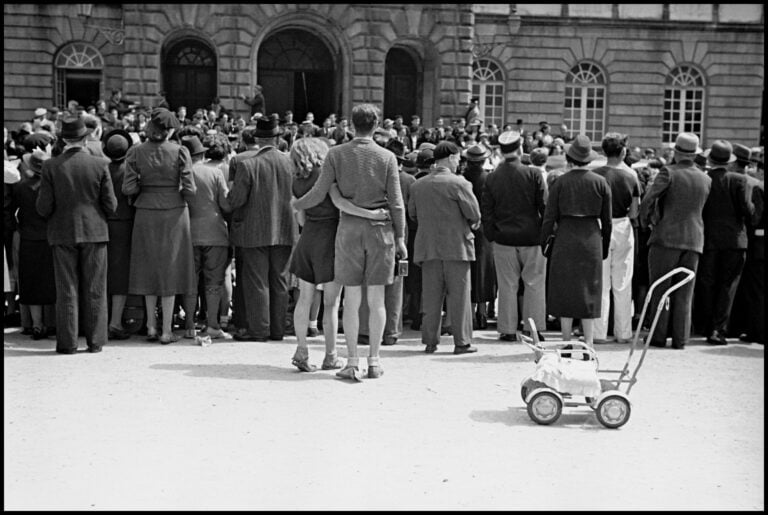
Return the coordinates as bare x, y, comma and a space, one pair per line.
73, 127
397, 148
477, 153
409, 161
116, 143
687, 143
741, 152
266, 128
721, 153
193, 144
163, 119
581, 149
34, 160
427, 145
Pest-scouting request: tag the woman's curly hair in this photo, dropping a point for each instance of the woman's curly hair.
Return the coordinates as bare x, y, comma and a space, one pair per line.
217, 145
308, 154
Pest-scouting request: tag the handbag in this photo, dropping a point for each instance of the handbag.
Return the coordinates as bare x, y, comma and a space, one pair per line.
548, 245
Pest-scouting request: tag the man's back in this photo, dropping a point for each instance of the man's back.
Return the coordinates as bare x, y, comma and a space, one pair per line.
513, 204
726, 211
624, 187
260, 198
76, 193
444, 207
684, 189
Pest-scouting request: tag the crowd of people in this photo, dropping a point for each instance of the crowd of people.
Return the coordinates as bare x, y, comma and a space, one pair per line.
251, 226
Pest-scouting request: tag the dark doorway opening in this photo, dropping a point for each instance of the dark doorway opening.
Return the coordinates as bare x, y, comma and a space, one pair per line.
82, 86
296, 72
401, 85
190, 75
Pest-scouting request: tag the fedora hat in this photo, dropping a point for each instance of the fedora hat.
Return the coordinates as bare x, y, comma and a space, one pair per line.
477, 153
397, 148
73, 127
721, 153
581, 149
116, 144
409, 161
266, 127
741, 152
425, 158
34, 160
687, 143
163, 119
192, 143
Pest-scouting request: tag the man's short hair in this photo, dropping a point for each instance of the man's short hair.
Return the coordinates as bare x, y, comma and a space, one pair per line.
613, 143
364, 117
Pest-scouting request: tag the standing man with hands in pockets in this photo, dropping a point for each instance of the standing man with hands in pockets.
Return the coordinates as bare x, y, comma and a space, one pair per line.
365, 252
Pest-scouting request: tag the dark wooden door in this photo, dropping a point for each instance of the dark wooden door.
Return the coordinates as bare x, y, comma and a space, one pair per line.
400, 84
190, 75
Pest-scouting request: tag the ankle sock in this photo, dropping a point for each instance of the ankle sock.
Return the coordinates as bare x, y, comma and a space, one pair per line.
353, 362
373, 361
313, 324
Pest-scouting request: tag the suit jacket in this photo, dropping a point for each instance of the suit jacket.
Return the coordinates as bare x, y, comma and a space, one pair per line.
727, 211
242, 156
673, 207
513, 204
445, 208
76, 195
261, 200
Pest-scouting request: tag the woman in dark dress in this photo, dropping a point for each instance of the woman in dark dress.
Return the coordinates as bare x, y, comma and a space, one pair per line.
37, 286
159, 171
115, 146
578, 213
482, 270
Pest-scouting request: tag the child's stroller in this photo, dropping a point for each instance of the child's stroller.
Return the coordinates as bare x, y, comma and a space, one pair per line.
569, 372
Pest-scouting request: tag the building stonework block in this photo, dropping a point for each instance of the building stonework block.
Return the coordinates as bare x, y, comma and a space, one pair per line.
463, 84
377, 96
359, 81
447, 84
465, 32
376, 69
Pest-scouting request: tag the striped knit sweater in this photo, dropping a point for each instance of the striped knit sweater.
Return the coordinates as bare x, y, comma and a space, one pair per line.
366, 174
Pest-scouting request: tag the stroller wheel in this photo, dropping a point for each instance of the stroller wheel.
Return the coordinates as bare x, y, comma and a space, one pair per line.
613, 411
545, 408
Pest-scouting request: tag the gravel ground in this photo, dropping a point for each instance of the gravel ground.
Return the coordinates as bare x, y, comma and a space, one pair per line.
235, 426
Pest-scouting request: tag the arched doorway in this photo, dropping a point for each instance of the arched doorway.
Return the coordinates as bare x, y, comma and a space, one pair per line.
189, 74
401, 84
78, 68
296, 72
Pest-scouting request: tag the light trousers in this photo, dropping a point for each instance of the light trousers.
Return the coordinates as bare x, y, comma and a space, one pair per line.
617, 279
451, 279
512, 264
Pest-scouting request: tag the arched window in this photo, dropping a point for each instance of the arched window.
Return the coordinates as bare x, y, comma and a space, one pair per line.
683, 103
77, 69
585, 101
488, 86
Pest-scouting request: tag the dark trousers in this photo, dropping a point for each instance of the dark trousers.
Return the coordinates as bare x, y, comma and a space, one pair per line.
265, 289
716, 284
660, 261
393, 302
81, 279
451, 280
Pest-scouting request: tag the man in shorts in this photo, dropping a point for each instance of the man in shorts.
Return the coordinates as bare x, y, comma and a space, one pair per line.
367, 175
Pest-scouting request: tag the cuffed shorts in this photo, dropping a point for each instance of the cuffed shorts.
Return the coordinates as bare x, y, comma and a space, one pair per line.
365, 252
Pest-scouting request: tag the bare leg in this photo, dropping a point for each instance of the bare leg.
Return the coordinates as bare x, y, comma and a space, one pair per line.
331, 294
190, 301
352, 297
167, 305
301, 314
566, 324
36, 312
587, 324
376, 318
314, 310
225, 298
118, 306
150, 301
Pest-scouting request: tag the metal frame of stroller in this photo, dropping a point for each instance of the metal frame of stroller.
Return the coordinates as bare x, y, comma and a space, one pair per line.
612, 406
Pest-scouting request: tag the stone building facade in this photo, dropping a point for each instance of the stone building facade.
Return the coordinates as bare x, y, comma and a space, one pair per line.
648, 70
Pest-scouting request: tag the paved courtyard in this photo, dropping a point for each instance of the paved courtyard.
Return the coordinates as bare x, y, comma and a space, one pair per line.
235, 426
